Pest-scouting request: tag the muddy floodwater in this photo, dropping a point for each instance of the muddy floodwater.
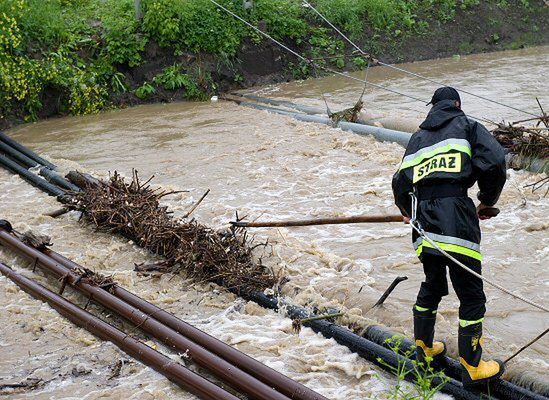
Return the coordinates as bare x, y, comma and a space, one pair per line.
272, 167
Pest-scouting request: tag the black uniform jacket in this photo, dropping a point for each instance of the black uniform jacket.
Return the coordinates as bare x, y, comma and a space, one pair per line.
443, 159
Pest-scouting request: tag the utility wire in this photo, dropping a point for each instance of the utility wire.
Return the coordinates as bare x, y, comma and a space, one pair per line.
406, 71
310, 62
314, 65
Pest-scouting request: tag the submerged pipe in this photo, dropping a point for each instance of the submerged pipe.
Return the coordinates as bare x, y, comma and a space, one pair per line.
216, 365
501, 388
283, 103
172, 370
368, 347
381, 134
363, 347
33, 179
514, 161
26, 151
281, 382
532, 164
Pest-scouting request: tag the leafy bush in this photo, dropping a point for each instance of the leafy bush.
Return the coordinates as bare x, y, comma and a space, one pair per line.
284, 19
195, 86
197, 25
145, 91
123, 42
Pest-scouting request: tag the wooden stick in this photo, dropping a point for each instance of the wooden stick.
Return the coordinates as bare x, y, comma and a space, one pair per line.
197, 204
320, 221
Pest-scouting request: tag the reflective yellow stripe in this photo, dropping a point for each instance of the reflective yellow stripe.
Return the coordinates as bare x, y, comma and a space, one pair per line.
439, 150
454, 248
463, 322
423, 309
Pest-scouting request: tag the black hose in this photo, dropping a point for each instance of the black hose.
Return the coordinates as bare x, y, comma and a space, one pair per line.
501, 388
29, 153
46, 172
363, 347
33, 179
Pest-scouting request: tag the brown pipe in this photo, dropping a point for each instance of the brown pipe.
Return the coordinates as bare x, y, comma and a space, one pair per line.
216, 365
172, 370
320, 221
282, 383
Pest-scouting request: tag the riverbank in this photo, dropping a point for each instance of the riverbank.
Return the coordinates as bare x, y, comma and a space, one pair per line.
82, 57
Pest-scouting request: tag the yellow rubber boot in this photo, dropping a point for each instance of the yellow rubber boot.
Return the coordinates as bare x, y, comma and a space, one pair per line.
475, 370
424, 333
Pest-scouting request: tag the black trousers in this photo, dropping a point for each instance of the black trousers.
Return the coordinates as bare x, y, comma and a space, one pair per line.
468, 288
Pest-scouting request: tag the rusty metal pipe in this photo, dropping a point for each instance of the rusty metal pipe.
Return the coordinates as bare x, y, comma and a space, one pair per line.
281, 382
216, 365
172, 370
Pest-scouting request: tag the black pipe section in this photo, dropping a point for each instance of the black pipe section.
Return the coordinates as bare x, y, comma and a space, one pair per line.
172, 370
502, 389
54, 177
29, 153
46, 172
363, 347
33, 179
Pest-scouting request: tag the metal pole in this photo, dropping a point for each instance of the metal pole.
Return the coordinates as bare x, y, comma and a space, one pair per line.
222, 369
282, 383
138, 14
172, 370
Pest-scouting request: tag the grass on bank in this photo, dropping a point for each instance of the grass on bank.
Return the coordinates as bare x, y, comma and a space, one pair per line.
78, 52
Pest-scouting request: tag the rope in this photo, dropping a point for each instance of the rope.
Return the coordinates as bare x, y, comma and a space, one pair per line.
409, 72
421, 232
526, 346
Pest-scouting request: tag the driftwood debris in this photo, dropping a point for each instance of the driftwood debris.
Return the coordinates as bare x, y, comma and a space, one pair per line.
526, 141
133, 209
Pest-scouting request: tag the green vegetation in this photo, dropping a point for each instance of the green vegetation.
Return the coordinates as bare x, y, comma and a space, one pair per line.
79, 55
428, 382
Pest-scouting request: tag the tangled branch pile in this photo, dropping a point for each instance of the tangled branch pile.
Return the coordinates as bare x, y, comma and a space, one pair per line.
133, 209
530, 141
527, 142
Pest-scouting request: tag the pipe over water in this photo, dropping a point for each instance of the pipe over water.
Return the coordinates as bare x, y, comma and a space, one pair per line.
33, 179
172, 370
389, 135
363, 347
225, 371
27, 162
282, 383
501, 388
29, 153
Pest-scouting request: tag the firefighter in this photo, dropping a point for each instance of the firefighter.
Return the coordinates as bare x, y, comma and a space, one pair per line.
443, 159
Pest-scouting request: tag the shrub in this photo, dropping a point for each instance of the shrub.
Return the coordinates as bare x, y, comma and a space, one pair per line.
123, 42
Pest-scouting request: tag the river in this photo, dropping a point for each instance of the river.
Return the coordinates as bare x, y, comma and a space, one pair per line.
272, 167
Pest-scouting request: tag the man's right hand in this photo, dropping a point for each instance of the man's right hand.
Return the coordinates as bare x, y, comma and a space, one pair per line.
485, 212
406, 220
